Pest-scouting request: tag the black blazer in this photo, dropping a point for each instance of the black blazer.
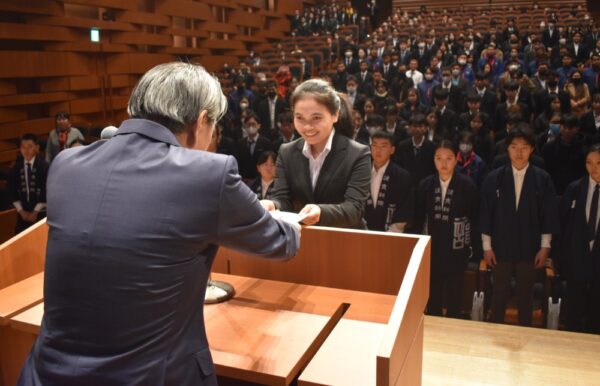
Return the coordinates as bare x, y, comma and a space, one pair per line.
342, 188
17, 185
247, 161
262, 110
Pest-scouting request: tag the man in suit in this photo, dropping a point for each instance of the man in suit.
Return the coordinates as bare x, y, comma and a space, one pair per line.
249, 148
455, 94
415, 154
357, 100
364, 78
387, 69
350, 62
488, 96
550, 36
129, 255
338, 80
27, 183
268, 109
578, 50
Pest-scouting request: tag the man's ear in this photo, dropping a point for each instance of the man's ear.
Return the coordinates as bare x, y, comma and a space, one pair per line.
196, 129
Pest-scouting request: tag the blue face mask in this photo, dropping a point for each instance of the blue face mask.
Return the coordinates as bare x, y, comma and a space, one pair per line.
554, 128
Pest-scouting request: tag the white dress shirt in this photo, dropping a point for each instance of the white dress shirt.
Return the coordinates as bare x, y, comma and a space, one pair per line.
444, 187
264, 186
316, 163
376, 178
588, 205
416, 76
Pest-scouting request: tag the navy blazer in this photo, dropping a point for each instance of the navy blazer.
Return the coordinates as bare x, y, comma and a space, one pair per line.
342, 188
128, 258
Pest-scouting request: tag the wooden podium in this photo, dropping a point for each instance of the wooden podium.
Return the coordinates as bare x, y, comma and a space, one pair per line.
347, 310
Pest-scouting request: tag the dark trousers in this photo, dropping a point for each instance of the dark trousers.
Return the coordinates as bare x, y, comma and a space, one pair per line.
583, 306
449, 284
502, 277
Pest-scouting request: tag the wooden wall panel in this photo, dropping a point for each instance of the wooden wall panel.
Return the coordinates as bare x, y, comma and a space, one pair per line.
56, 67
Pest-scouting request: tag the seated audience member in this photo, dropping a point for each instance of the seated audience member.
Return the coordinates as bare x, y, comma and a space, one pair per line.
482, 143
489, 100
268, 109
579, 93
394, 125
412, 105
413, 72
357, 124
469, 162
517, 218
224, 144
356, 100
511, 105
551, 133
432, 127
382, 98
390, 203
474, 108
565, 156
27, 183
578, 247
590, 121
552, 90
373, 124
61, 136
542, 121
446, 208
248, 149
455, 93
447, 118
415, 154
285, 125
263, 184
369, 108
425, 88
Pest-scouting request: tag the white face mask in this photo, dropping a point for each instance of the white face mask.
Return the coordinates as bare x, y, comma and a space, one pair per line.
244, 105
428, 76
348, 54
462, 62
251, 130
351, 90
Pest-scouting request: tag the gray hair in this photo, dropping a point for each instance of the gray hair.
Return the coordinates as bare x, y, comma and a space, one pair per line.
174, 94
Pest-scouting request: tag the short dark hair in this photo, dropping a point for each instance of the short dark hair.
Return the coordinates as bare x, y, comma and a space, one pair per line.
250, 114
418, 120
570, 120
523, 132
446, 144
595, 148
511, 85
440, 93
381, 134
62, 115
473, 97
29, 137
375, 120
264, 156
285, 117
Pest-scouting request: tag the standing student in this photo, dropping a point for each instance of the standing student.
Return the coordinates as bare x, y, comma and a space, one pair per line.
390, 203
447, 205
324, 174
415, 154
27, 183
518, 217
579, 251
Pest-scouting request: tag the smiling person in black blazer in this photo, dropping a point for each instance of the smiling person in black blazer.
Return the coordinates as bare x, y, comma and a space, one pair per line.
324, 174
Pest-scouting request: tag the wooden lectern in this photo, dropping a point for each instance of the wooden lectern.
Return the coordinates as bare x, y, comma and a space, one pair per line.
350, 298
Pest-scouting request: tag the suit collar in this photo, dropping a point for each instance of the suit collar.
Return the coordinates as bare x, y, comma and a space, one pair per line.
148, 129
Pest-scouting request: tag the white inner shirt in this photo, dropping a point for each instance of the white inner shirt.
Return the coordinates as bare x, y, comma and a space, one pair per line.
316, 163
376, 178
444, 187
519, 177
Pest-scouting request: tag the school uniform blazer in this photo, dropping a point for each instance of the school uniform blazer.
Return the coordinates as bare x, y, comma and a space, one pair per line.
342, 188
516, 233
128, 258
576, 260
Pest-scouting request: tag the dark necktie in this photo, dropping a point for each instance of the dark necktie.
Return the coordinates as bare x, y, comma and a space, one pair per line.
29, 178
251, 146
591, 225
416, 151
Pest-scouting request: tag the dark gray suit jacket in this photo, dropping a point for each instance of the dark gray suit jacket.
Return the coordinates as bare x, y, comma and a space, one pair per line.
342, 188
134, 225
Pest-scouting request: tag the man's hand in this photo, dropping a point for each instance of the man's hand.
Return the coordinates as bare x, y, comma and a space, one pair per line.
490, 258
24, 215
541, 257
268, 205
313, 214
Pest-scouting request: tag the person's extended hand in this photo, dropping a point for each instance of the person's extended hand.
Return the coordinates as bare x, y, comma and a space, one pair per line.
541, 257
32, 216
490, 258
268, 205
313, 214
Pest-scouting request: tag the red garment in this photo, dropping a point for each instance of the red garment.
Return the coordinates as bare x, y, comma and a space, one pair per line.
466, 162
62, 139
283, 77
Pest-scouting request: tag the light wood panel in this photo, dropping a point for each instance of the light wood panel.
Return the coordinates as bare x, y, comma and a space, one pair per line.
357, 260
20, 296
50, 41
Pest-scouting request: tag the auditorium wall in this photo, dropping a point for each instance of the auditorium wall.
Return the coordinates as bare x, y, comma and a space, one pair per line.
49, 63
